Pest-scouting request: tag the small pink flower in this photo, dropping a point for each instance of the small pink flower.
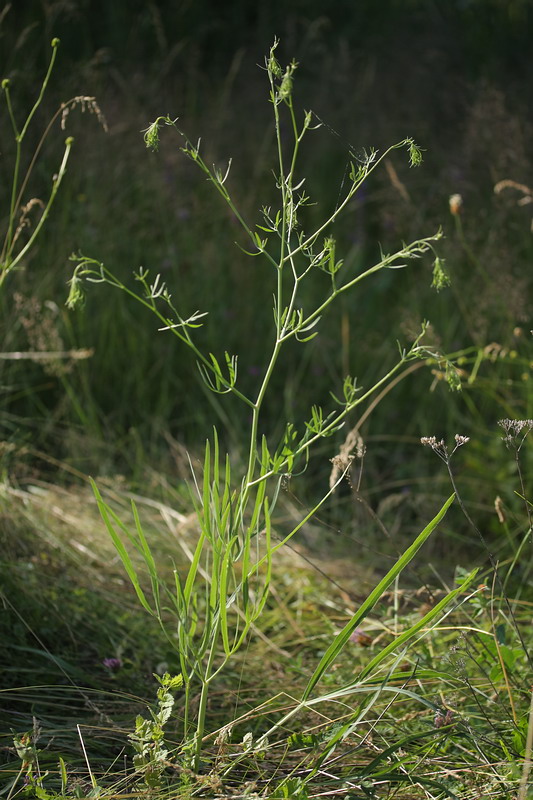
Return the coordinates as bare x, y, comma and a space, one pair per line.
361, 638
443, 719
112, 664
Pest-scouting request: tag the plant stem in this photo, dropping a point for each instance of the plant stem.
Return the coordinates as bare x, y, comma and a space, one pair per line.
10, 265
21, 770
202, 708
19, 136
524, 780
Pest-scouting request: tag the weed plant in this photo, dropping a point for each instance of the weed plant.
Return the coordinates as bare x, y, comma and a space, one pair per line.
216, 602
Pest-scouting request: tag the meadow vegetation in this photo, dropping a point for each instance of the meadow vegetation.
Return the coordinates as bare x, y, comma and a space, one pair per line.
266, 530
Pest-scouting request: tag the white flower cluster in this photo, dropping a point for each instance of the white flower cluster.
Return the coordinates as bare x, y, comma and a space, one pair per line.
439, 447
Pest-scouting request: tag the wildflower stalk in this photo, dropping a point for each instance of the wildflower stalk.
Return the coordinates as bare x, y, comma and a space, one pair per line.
10, 264
235, 516
19, 775
19, 136
516, 432
17, 219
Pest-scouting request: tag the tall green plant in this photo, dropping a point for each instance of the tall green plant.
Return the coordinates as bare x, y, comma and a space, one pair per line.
215, 603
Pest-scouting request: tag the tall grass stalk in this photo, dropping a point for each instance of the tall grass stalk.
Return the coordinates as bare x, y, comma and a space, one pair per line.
16, 244
208, 611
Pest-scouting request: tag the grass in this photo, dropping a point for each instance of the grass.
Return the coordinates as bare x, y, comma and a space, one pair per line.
208, 609
469, 666
340, 688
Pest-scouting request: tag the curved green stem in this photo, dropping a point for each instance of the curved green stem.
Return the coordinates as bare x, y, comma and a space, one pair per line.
19, 136
10, 265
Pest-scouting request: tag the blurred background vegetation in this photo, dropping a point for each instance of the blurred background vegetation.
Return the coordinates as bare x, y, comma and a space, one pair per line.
455, 75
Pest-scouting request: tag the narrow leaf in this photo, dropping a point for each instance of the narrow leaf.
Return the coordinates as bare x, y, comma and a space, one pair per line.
408, 634
339, 642
119, 546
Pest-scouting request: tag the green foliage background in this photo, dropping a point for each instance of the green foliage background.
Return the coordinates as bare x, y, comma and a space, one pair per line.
454, 75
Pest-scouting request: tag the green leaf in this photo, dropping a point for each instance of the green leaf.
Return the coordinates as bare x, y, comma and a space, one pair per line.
303, 740
224, 600
148, 557
422, 623
340, 641
106, 513
63, 773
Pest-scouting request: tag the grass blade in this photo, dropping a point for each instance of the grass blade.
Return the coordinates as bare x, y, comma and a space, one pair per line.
339, 642
408, 634
105, 512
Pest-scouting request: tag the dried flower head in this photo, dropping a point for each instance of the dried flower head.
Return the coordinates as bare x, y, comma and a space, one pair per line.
498, 507
24, 220
42, 325
341, 462
439, 447
514, 427
515, 431
456, 203
443, 718
87, 104
460, 440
